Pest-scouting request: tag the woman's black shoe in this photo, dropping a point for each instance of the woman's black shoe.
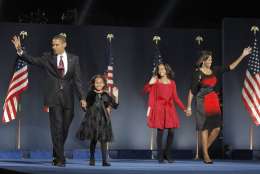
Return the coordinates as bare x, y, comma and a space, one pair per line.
208, 162
161, 161
168, 159
105, 163
54, 162
58, 163
92, 162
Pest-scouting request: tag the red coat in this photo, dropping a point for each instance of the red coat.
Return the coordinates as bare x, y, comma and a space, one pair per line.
161, 105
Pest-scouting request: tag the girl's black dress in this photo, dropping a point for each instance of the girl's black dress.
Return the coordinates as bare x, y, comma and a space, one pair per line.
96, 124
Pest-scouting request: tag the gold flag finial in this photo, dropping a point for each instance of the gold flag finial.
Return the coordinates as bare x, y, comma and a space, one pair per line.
199, 39
23, 34
255, 29
110, 36
156, 39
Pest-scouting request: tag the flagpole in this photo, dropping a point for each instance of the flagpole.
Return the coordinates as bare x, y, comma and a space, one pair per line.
109, 37
251, 140
22, 34
151, 140
199, 40
254, 29
156, 40
152, 143
197, 145
18, 146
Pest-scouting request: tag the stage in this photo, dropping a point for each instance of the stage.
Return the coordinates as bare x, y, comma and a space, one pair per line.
130, 167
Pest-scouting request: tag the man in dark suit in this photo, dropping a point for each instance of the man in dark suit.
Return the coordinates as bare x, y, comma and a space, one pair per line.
62, 76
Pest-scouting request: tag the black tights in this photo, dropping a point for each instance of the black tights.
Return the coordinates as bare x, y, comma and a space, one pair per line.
93, 144
167, 151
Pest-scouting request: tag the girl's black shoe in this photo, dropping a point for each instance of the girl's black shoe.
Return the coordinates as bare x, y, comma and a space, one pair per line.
166, 157
105, 163
92, 162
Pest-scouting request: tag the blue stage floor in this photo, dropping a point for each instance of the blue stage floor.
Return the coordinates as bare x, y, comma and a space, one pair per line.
130, 167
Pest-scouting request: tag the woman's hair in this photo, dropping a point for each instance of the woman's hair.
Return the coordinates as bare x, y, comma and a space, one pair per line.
92, 81
204, 55
169, 71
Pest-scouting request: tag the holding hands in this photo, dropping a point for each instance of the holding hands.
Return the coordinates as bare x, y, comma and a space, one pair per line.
188, 112
83, 104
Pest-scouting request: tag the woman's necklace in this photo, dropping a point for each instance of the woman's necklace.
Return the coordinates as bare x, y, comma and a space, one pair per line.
206, 71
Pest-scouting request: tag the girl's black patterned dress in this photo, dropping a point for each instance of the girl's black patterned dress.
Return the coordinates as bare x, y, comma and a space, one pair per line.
96, 124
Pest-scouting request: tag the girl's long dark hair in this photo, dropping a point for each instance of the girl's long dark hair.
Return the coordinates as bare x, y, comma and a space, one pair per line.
169, 71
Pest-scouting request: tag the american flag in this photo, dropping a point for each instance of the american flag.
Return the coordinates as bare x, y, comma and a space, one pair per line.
17, 85
251, 87
110, 81
110, 67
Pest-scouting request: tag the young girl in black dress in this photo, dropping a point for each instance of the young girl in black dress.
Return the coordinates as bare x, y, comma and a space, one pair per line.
96, 125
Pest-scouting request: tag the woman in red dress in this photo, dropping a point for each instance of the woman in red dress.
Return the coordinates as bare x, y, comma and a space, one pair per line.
161, 110
207, 107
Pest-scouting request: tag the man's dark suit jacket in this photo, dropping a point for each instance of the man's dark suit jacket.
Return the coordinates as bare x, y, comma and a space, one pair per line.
54, 82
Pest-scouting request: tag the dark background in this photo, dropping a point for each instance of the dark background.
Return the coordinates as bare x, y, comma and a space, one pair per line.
130, 13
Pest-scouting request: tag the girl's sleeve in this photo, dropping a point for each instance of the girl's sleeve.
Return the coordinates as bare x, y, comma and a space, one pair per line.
113, 103
148, 87
176, 97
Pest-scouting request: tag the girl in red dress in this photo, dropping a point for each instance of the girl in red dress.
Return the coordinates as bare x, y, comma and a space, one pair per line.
161, 108
207, 107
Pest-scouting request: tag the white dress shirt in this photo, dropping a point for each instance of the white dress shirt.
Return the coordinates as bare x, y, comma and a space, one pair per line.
65, 61
64, 58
